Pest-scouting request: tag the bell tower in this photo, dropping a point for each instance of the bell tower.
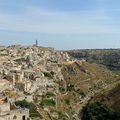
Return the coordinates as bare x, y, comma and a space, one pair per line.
36, 44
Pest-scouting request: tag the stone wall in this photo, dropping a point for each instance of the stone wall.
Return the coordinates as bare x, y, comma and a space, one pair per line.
4, 108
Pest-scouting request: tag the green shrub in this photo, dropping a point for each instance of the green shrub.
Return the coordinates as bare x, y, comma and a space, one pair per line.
70, 87
20, 60
49, 75
49, 94
52, 73
67, 101
48, 102
62, 116
32, 108
98, 111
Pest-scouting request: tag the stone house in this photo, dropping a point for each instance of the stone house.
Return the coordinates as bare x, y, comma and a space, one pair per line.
9, 111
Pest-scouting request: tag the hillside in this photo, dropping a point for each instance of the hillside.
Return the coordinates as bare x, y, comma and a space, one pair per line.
108, 57
82, 81
87, 75
55, 84
110, 96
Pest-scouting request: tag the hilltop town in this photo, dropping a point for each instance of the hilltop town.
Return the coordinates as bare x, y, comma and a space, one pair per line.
26, 71
55, 84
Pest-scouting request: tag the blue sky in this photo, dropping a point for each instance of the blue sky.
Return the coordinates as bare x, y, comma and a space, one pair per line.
63, 24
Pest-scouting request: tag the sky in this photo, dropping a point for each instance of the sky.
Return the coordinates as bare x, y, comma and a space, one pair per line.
62, 24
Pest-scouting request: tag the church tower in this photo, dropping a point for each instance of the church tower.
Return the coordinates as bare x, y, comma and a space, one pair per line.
36, 42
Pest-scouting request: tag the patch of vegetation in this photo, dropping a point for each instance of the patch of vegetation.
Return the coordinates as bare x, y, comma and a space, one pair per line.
48, 75
110, 96
32, 108
70, 87
49, 94
20, 60
52, 73
62, 116
80, 92
67, 101
48, 102
98, 111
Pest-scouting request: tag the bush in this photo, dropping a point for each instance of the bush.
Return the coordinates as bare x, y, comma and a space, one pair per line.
49, 75
49, 94
48, 102
52, 73
70, 87
20, 60
67, 101
62, 116
32, 108
98, 111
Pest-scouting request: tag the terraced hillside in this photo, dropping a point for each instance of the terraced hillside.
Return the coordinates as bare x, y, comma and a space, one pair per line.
82, 81
87, 76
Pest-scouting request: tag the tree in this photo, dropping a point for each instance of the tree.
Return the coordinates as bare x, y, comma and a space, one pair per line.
32, 108
98, 111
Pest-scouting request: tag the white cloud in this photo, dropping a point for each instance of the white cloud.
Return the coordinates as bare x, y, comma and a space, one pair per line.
38, 20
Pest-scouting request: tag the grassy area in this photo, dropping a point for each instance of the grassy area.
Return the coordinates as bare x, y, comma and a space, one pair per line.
49, 94
48, 102
32, 108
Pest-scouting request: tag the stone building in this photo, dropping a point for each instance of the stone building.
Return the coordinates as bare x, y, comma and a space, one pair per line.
5, 84
9, 111
19, 79
45, 85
